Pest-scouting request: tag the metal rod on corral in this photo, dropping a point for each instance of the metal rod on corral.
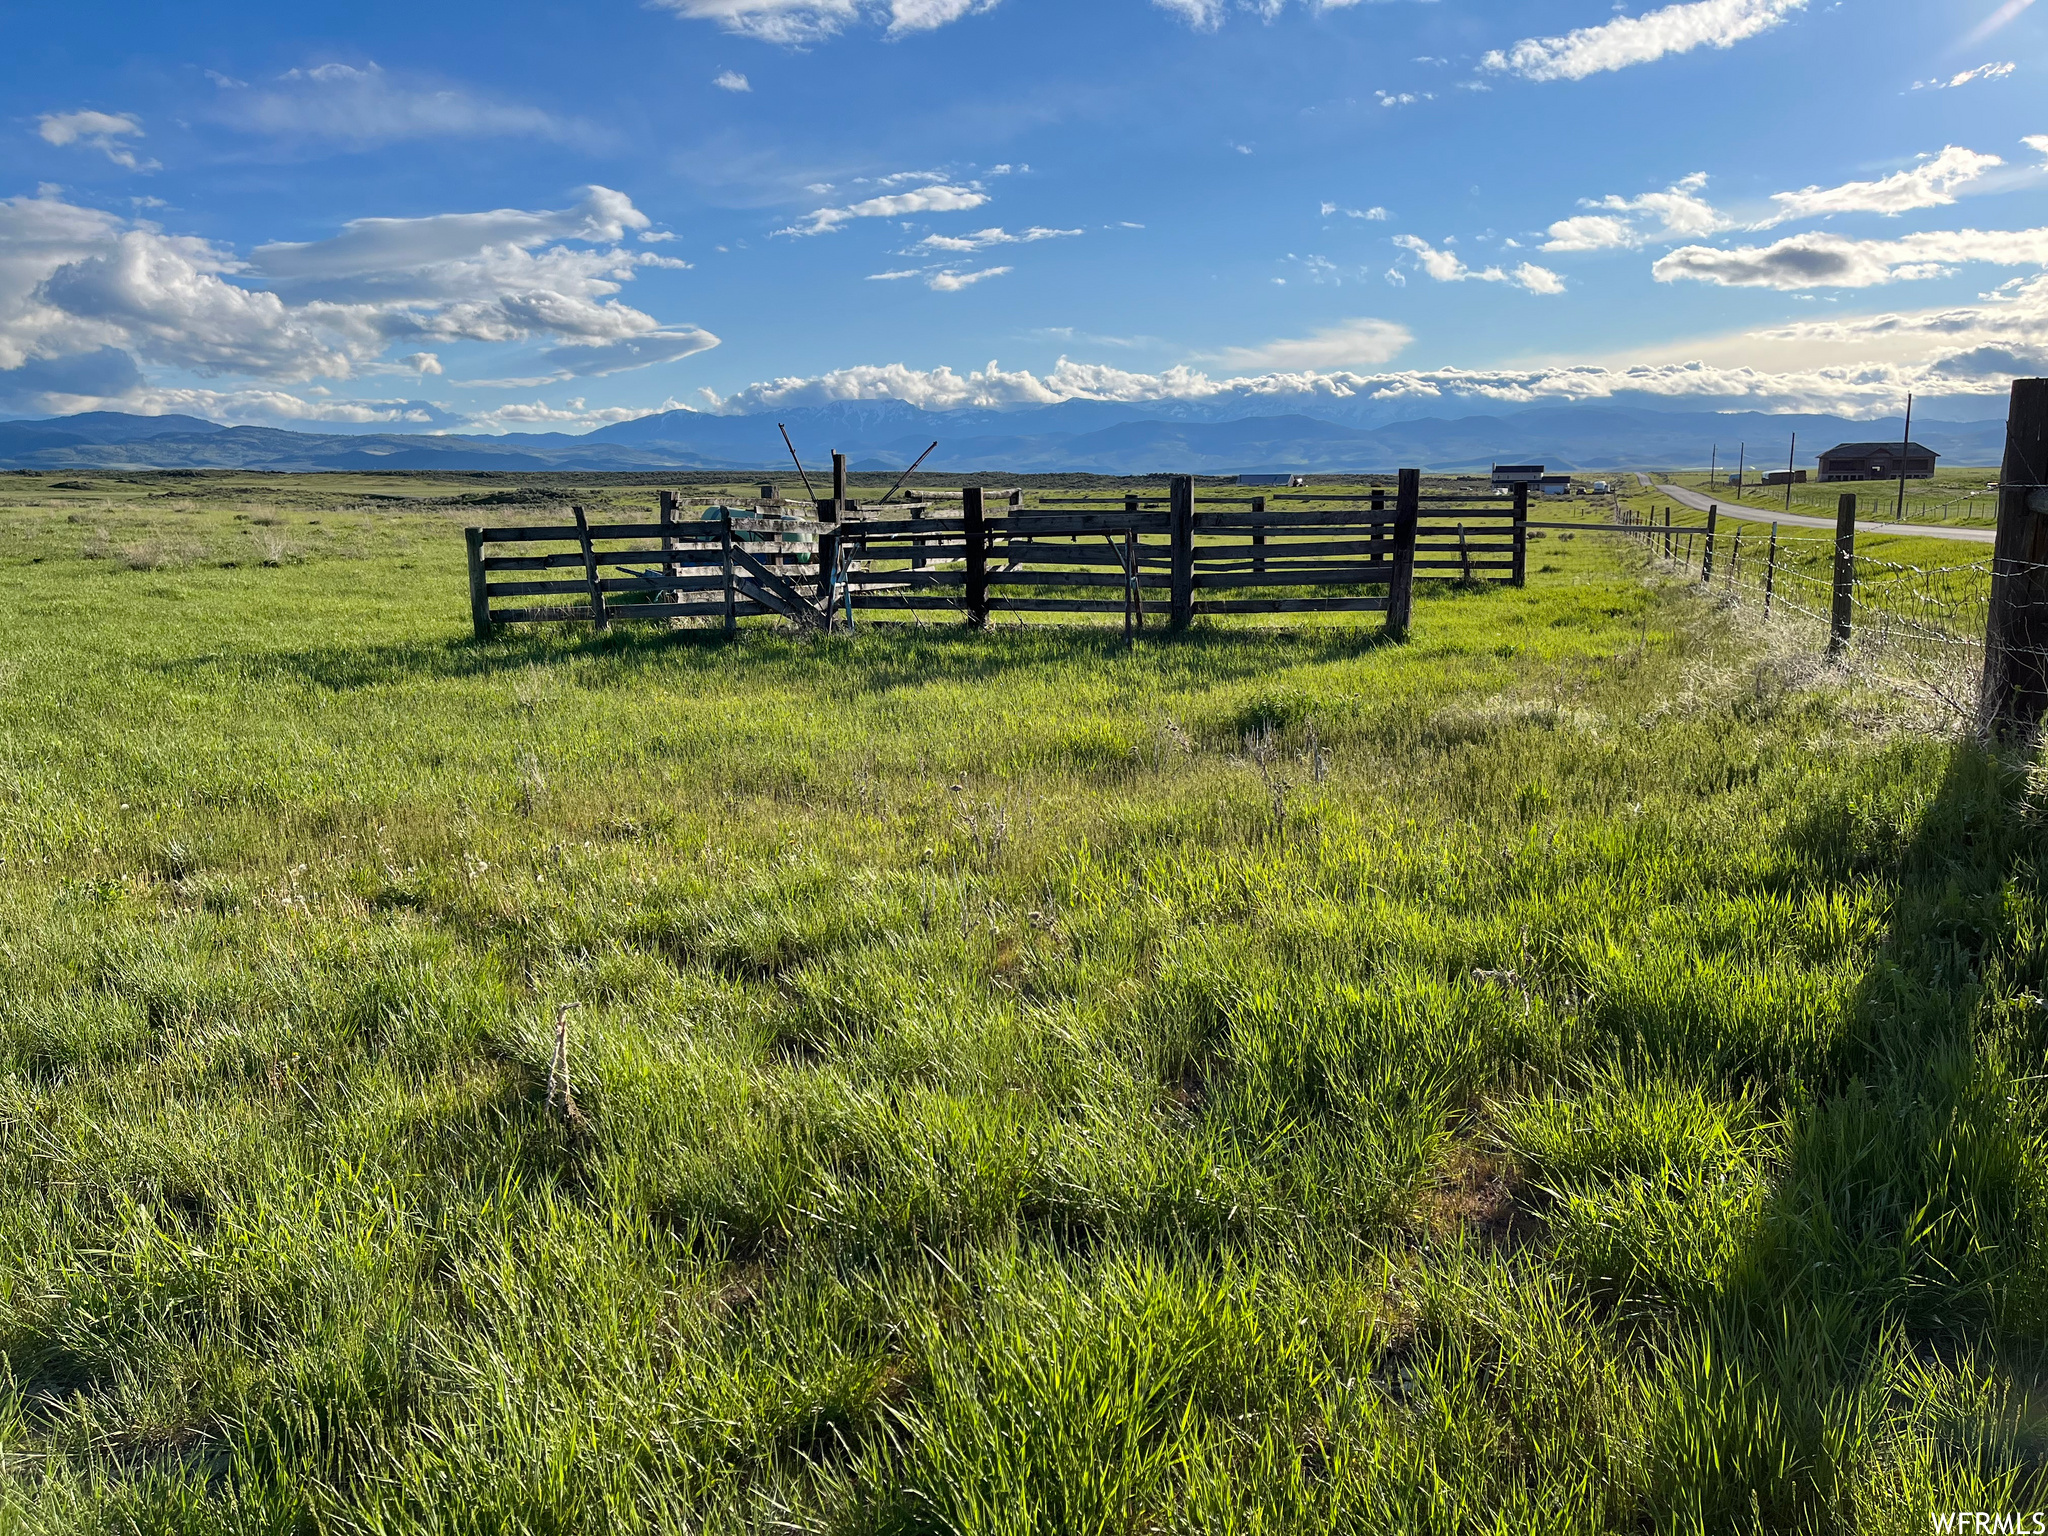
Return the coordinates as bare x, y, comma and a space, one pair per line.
1845, 576
1770, 570
479, 593
1181, 531
1401, 591
799, 463
907, 473
1707, 545
2015, 692
732, 614
1521, 557
597, 613
975, 530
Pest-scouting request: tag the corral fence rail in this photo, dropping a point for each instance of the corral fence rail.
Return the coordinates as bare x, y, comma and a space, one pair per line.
1168, 553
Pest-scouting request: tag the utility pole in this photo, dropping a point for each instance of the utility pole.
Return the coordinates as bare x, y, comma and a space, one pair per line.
1905, 446
1791, 458
1713, 464
1741, 467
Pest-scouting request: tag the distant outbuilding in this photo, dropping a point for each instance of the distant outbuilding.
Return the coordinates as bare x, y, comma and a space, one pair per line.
1877, 461
1516, 474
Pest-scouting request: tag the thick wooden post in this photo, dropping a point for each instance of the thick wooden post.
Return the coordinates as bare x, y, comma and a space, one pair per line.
1707, 551
2016, 633
1845, 576
668, 546
838, 486
732, 615
479, 593
1181, 529
1521, 574
976, 531
1259, 536
1401, 590
1770, 570
597, 613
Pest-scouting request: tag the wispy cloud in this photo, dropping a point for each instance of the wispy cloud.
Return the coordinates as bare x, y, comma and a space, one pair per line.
1930, 184
1995, 22
1376, 214
1446, 267
794, 23
1630, 40
1981, 72
103, 131
939, 197
953, 282
982, 239
1361, 342
362, 106
731, 80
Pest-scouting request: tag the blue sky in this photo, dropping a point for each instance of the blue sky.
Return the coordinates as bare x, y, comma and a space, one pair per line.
530, 218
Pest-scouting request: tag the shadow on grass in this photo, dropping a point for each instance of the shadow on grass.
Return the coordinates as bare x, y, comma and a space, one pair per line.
877, 658
1904, 1228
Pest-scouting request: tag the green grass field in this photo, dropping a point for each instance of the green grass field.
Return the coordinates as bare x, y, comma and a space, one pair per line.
1959, 497
1570, 1072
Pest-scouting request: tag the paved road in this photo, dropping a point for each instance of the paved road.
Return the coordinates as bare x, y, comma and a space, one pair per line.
1699, 501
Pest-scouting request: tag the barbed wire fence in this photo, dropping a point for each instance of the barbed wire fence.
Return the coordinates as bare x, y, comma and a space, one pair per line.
1918, 630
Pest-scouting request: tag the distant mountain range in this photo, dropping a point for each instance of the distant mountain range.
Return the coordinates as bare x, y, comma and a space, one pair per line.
1099, 437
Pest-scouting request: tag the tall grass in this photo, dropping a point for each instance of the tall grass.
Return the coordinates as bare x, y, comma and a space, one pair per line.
1568, 1072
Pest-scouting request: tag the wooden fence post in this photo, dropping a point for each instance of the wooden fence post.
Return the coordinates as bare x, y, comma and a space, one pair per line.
479, 594
1735, 558
838, 486
1707, 549
1667, 533
668, 545
1134, 599
732, 616
1770, 570
1259, 535
1845, 576
597, 613
1521, 575
2015, 692
1379, 529
976, 531
1401, 590
1181, 527
1464, 556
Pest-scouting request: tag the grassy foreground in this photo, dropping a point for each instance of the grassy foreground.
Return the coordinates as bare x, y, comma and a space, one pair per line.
1561, 1074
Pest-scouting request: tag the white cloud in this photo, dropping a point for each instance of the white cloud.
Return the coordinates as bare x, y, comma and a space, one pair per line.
1642, 39
364, 107
1930, 184
797, 22
1446, 267
102, 131
1678, 212
941, 197
982, 239
2037, 142
896, 276
78, 282
1823, 260
1202, 15
1355, 343
731, 80
953, 282
1981, 72
557, 418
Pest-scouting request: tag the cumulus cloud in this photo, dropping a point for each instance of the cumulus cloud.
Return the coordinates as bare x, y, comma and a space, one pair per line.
1823, 260
731, 80
938, 197
1981, 72
1629, 40
103, 131
361, 107
1354, 343
1447, 267
1676, 213
1868, 389
794, 23
1930, 184
2037, 142
82, 282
